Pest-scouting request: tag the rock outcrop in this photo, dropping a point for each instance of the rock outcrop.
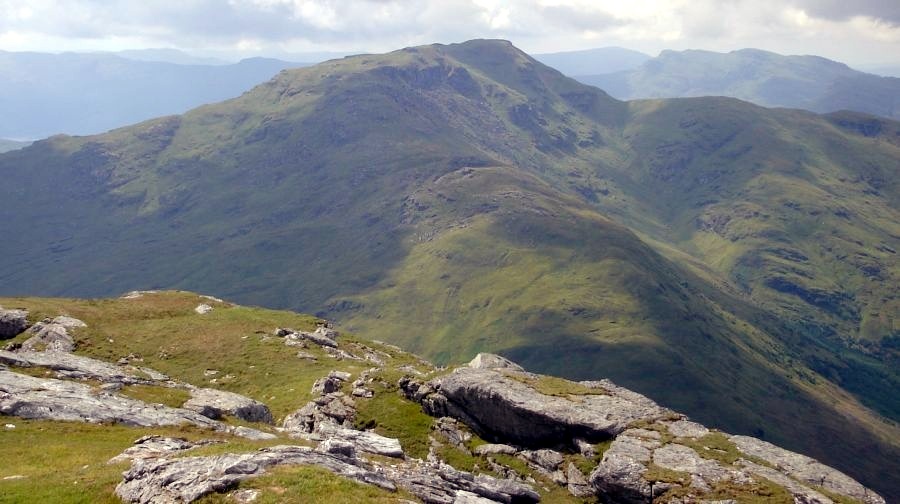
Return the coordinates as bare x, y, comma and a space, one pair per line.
652, 452
500, 404
322, 336
12, 323
78, 367
53, 335
215, 404
50, 399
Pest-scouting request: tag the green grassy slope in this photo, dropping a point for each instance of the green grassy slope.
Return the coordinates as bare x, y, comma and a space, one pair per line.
461, 198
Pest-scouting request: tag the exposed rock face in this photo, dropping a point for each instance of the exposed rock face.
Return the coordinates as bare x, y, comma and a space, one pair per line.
48, 399
500, 407
158, 481
805, 469
53, 335
652, 449
215, 404
12, 323
322, 336
78, 367
149, 447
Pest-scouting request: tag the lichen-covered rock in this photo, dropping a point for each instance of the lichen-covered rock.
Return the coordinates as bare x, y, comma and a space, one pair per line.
215, 404
51, 336
322, 336
12, 323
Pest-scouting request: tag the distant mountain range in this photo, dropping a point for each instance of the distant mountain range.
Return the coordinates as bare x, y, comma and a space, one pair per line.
45, 94
765, 78
738, 263
602, 60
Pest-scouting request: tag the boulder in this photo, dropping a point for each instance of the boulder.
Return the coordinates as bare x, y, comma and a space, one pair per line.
502, 408
576, 483
547, 460
203, 309
326, 385
492, 361
365, 441
686, 428
495, 449
215, 404
52, 335
322, 336
12, 323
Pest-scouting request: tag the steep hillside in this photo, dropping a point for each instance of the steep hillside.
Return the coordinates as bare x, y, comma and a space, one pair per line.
465, 198
176, 397
761, 77
46, 94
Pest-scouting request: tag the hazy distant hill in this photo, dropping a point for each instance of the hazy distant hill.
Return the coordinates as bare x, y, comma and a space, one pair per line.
8, 145
45, 94
764, 78
736, 262
594, 61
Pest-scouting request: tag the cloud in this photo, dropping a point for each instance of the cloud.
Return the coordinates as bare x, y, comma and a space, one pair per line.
840, 10
830, 27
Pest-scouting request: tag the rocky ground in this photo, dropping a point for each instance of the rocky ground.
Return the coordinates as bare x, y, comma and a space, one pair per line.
494, 432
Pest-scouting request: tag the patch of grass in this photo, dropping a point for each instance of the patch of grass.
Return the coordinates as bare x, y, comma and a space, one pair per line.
836, 497
458, 458
66, 461
761, 491
168, 396
659, 474
554, 386
715, 446
585, 464
512, 462
392, 416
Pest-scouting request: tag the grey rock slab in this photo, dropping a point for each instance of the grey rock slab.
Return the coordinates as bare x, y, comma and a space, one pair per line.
182, 480
686, 428
806, 469
503, 408
366, 441
75, 366
215, 404
12, 323
548, 460
49, 336
678, 457
801, 493
50, 399
495, 449
203, 309
440, 484
149, 447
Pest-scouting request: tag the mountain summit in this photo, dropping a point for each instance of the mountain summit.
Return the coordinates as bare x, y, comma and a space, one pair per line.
734, 262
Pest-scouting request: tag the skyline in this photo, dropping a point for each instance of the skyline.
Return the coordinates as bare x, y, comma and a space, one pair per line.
862, 33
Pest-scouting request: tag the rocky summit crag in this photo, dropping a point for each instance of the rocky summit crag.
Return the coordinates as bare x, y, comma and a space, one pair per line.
158, 402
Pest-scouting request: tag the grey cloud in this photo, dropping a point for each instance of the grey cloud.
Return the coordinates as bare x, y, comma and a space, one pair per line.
839, 10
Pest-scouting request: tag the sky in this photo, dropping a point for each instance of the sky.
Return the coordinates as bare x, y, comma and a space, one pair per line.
861, 32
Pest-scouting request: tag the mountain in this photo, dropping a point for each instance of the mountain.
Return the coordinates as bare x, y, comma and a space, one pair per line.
45, 94
734, 262
598, 61
343, 419
8, 145
168, 56
765, 78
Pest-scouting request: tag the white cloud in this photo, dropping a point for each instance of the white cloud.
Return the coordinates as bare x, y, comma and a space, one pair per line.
861, 30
